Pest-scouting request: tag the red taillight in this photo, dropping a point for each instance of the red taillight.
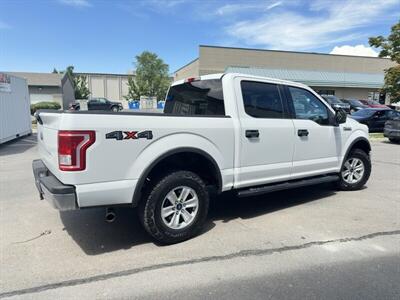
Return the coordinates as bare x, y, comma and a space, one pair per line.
191, 79
72, 146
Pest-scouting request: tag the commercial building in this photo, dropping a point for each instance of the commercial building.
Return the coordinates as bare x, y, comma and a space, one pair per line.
349, 77
56, 87
46, 86
111, 86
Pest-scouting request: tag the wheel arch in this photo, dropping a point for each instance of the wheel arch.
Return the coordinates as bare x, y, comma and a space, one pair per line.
182, 152
358, 143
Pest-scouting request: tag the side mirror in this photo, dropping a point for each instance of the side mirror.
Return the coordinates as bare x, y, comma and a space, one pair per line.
340, 116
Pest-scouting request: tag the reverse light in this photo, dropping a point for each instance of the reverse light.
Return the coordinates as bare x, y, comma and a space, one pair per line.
72, 146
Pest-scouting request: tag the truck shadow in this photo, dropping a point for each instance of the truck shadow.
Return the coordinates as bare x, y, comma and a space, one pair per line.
229, 207
90, 231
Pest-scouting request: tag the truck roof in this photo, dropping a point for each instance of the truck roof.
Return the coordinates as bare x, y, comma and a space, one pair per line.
269, 79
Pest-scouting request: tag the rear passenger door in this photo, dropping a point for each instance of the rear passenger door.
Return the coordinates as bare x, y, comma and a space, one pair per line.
266, 134
317, 142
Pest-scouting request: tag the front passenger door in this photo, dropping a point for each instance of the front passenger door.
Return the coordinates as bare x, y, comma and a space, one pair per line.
317, 143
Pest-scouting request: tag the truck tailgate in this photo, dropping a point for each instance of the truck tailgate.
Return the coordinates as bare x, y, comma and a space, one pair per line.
47, 139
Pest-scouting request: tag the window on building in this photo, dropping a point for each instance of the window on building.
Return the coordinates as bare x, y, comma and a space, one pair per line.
309, 107
200, 97
326, 92
261, 100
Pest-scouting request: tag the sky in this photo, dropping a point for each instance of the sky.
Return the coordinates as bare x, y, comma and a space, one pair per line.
104, 36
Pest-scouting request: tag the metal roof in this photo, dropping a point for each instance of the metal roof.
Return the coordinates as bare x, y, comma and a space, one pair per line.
317, 78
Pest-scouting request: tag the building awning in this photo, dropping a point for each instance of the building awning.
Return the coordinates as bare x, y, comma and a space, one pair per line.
317, 78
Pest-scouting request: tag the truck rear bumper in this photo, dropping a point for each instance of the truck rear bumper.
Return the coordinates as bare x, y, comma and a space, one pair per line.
59, 195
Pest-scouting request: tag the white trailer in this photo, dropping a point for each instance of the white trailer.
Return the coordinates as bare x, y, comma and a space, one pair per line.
15, 117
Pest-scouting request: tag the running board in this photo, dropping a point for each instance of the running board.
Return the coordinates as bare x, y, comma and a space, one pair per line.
287, 185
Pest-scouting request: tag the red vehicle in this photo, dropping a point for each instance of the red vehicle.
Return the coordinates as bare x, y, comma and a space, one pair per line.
373, 104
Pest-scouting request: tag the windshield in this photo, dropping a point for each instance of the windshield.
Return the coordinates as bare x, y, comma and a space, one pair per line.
201, 97
364, 113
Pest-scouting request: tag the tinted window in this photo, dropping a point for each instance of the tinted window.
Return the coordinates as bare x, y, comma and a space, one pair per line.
261, 100
202, 97
307, 106
381, 113
364, 113
356, 103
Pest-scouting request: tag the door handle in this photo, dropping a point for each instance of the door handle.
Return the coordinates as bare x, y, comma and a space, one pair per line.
252, 133
302, 132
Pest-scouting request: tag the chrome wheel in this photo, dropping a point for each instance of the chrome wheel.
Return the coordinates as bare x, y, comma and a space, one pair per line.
353, 170
179, 207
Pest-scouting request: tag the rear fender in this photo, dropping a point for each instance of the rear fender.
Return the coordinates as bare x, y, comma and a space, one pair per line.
185, 142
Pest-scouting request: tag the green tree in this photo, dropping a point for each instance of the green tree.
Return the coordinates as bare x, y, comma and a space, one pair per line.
151, 78
390, 47
79, 82
81, 87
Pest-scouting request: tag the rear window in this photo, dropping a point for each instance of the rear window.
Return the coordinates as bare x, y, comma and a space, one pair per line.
202, 97
261, 100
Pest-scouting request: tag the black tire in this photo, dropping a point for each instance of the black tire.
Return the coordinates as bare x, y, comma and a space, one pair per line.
396, 141
150, 207
364, 157
115, 109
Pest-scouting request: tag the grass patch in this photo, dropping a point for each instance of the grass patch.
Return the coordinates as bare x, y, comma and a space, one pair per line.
377, 135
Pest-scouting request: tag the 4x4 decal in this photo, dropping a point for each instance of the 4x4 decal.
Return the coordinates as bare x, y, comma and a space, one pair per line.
129, 135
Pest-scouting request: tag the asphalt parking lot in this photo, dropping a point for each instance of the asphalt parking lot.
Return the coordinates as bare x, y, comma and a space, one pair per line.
312, 242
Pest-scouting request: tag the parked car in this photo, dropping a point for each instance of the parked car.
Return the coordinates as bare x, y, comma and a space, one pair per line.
355, 105
336, 103
375, 118
99, 104
373, 104
395, 105
222, 132
392, 129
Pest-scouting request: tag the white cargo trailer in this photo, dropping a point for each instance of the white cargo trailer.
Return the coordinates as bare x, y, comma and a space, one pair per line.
15, 117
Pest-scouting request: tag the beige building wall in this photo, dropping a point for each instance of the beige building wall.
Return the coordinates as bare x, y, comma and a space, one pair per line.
45, 93
111, 86
217, 59
189, 70
124, 86
96, 86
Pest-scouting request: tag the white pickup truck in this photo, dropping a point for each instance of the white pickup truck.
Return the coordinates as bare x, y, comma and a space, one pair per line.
218, 133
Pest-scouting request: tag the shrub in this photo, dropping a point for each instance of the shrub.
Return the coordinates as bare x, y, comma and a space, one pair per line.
44, 105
